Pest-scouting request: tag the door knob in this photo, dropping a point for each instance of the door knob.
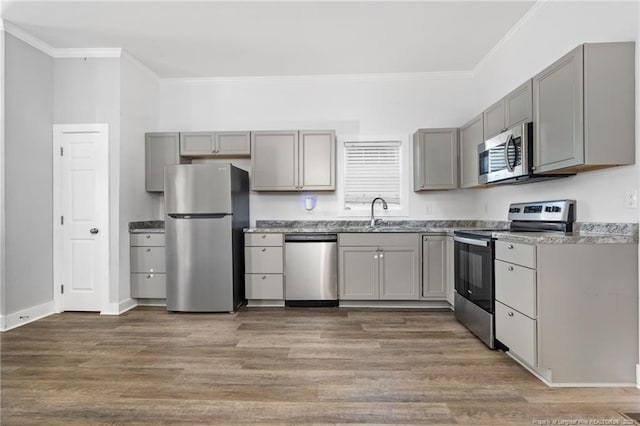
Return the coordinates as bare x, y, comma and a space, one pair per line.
94, 230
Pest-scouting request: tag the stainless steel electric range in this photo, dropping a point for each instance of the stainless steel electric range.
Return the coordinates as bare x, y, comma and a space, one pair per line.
474, 257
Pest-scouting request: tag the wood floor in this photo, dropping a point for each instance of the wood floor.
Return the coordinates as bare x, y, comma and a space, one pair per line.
278, 366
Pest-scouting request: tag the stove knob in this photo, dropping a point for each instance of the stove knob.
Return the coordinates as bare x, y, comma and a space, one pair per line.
556, 209
548, 209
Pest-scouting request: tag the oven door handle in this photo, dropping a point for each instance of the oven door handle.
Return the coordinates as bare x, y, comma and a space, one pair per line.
472, 241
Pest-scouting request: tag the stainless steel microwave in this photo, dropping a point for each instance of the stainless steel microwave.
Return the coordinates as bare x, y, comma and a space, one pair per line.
507, 155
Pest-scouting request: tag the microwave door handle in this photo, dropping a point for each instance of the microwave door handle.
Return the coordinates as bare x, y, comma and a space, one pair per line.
506, 153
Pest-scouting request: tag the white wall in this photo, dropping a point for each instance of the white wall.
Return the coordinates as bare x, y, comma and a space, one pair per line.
87, 90
366, 105
550, 31
28, 174
139, 91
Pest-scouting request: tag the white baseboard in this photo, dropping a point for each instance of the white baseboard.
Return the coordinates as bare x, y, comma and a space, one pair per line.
25, 316
152, 302
120, 308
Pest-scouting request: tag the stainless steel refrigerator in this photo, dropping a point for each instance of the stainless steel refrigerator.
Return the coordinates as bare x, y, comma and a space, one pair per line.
207, 207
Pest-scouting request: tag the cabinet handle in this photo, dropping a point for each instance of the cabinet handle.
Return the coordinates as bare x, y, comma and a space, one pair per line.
469, 291
263, 236
264, 249
510, 268
381, 254
147, 236
510, 246
375, 256
150, 276
264, 277
510, 314
422, 186
148, 250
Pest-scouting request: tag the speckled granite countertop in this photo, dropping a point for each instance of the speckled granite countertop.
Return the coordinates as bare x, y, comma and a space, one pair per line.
147, 226
585, 233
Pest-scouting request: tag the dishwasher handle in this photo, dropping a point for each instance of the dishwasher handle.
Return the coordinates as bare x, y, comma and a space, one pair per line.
310, 238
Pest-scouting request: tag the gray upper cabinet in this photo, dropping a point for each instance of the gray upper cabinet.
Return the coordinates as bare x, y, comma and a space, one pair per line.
161, 149
514, 108
215, 144
584, 109
471, 135
293, 161
435, 157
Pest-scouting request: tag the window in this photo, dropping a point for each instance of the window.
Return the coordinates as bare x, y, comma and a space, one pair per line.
373, 167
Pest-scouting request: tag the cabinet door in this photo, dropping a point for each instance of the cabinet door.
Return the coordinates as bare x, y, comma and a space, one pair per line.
434, 267
435, 159
161, 149
399, 273
197, 143
493, 118
237, 144
471, 135
317, 162
558, 114
274, 161
358, 273
518, 105
450, 273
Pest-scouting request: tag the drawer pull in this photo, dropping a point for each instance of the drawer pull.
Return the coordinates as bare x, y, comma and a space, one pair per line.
510, 246
263, 236
510, 314
150, 276
264, 277
148, 250
510, 268
469, 291
264, 249
147, 236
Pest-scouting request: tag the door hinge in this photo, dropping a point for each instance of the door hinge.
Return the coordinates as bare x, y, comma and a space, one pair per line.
61, 288
61, 220
61, 151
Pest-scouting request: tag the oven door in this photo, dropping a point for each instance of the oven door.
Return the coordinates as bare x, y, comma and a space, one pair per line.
474, 270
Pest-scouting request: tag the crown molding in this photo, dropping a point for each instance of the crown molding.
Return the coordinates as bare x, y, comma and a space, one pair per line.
371, 77
33, 41
514, 29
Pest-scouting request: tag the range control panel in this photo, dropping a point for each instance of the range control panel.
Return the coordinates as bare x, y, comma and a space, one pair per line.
544, 211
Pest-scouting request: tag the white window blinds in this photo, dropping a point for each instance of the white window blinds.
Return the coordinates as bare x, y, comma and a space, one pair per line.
372, 169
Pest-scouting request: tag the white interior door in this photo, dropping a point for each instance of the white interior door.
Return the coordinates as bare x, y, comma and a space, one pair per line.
81, 160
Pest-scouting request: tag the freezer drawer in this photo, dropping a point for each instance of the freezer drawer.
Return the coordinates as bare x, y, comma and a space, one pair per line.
148, 259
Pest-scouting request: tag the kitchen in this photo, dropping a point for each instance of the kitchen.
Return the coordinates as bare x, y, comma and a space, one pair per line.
356, 105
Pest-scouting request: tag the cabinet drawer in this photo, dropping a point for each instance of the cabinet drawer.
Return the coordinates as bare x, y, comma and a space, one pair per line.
148, 286
147, 259
378, 239
147, 240
520, 254
518, 332
264, 286
263, 260
516, 287
263, 239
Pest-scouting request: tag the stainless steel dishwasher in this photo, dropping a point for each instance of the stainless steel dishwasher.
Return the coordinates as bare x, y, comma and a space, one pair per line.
311, 270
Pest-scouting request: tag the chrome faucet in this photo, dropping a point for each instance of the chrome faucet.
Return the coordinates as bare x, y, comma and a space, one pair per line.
374, 221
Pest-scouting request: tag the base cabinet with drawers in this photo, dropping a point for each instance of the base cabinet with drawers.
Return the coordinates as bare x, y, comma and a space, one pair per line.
569, 312
264, 267
379, 267
148, 271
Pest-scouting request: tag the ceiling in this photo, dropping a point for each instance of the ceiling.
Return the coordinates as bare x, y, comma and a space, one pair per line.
277, 38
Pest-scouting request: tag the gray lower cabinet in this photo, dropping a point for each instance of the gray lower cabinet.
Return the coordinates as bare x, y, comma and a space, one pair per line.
584, 109
569, 311
514, 108
215, 144
293, 160
379, 267
264, 267
161, 149
435, 156
434, 267
148, 270
471, 135
451, 285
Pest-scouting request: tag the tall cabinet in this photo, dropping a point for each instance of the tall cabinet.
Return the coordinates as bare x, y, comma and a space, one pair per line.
584, 109
293, 160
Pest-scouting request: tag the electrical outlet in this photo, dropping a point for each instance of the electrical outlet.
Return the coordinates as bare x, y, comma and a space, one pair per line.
427, 209
631, 199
